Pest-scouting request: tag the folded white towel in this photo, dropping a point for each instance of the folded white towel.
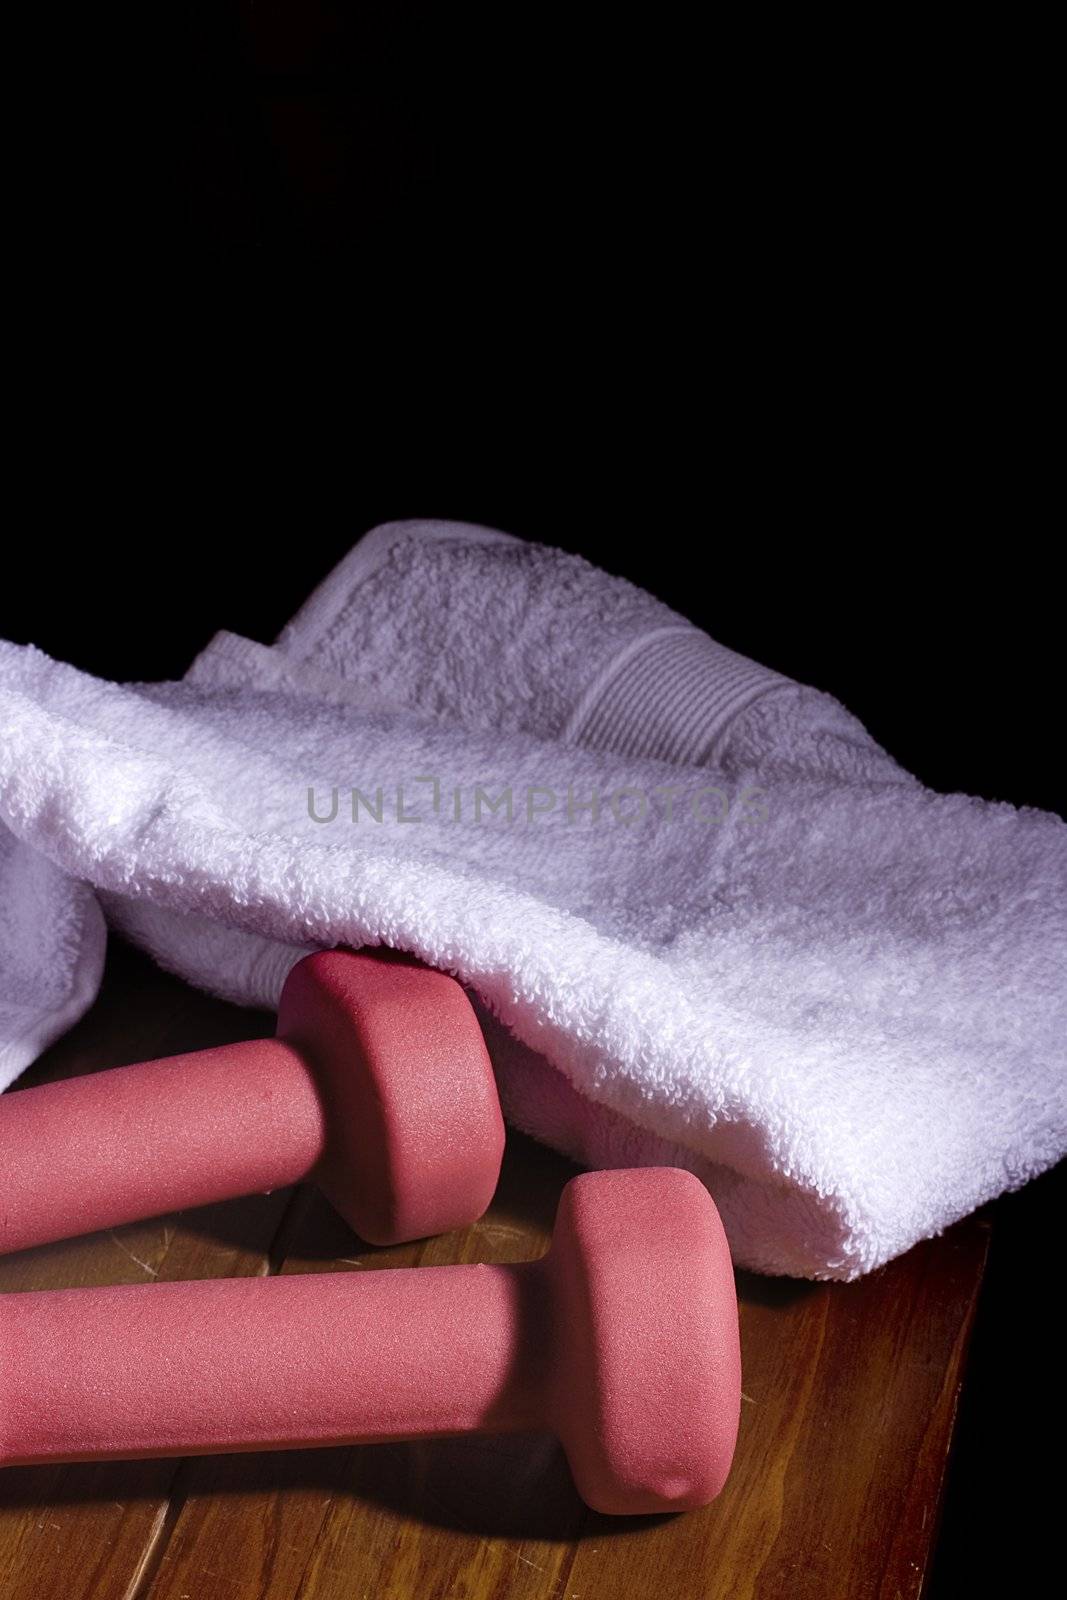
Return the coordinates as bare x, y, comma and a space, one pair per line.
773, 957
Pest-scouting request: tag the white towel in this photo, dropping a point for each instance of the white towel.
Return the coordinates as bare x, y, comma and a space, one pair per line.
774, 957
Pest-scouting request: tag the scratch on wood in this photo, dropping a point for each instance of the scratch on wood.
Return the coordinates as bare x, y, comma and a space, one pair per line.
529, 1563
501, 1230
749, 1398
144, 1565
136, 1259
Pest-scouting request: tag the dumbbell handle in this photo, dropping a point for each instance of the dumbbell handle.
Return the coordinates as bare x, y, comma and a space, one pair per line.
256, 1364
98, 1151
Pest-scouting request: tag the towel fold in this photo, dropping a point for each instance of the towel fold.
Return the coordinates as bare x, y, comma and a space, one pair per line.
706, 919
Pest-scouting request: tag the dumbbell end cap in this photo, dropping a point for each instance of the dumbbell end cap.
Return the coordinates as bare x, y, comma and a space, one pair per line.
647, 1393
415, 1136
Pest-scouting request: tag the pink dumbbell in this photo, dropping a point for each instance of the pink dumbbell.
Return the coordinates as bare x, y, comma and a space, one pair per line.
622, 1340
377, 1085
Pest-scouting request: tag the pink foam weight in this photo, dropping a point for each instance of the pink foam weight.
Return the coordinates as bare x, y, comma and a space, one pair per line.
378, 1086
623, 1340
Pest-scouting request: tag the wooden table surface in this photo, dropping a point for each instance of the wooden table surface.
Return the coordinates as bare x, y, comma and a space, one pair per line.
850, 1393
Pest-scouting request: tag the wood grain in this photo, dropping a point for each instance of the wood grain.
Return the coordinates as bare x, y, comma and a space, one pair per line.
850, 1396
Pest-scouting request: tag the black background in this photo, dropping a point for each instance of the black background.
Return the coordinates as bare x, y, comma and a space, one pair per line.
761, 327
